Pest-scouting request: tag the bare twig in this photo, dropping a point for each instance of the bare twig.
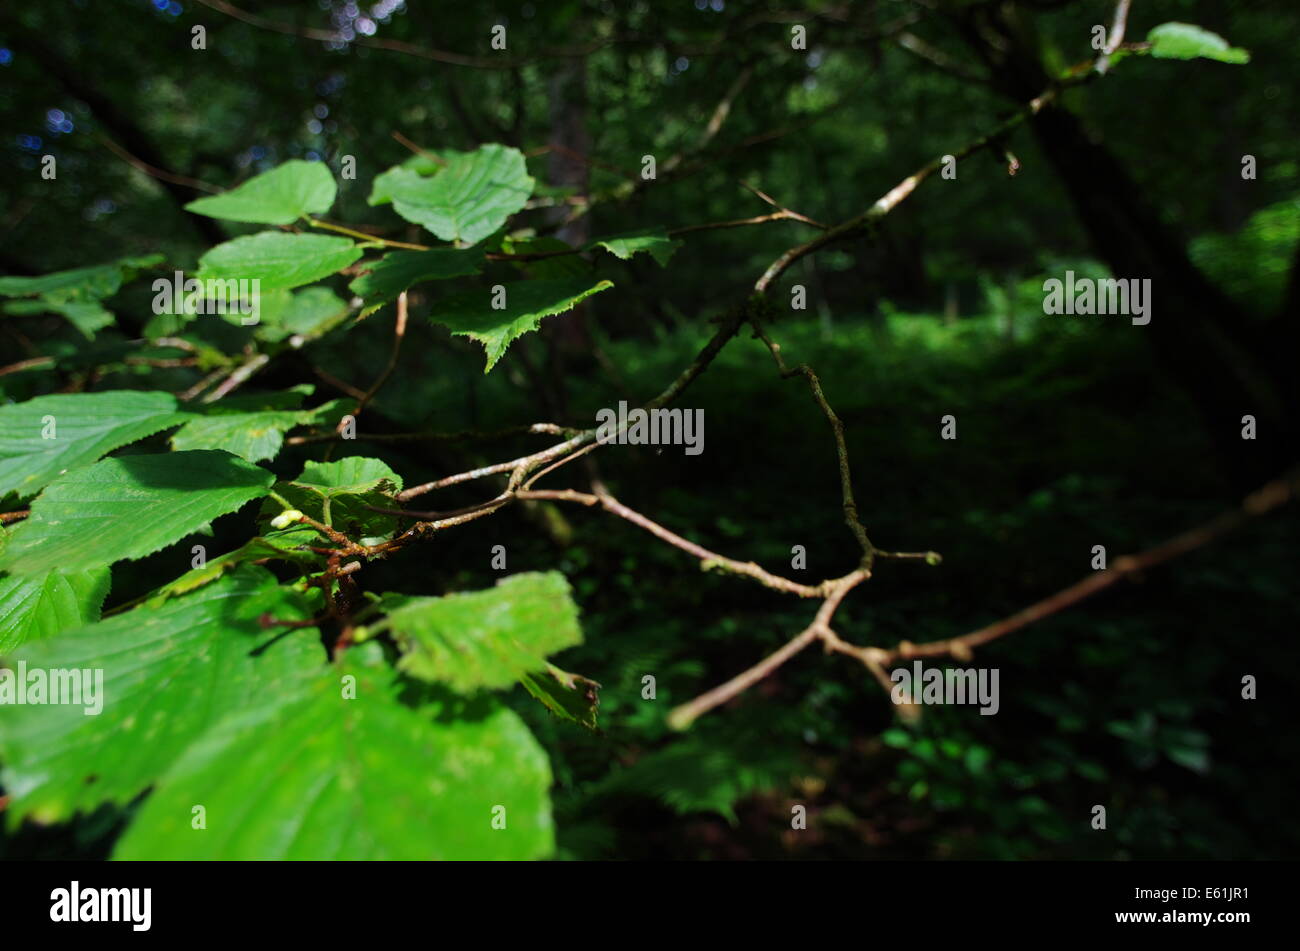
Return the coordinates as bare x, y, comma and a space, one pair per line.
686, 714
370, 238
239, 376
151, 171
850, 506
782, 215
418, 150
1265, 499
709, 560
763, 196
399, 333
341, 385
35, 363
938, 58
464, 435
187, 395
1116, 37
398, 46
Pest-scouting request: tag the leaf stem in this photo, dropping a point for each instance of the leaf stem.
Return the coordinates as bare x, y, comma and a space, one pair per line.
368, 238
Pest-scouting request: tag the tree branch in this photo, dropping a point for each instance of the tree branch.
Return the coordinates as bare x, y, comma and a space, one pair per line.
1263, 500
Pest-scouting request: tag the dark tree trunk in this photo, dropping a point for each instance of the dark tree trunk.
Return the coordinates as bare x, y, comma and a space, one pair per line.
570, 143
568, 338
1199, 335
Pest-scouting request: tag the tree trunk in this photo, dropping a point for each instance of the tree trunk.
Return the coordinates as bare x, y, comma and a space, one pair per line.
567, 337
1196, 331
950, 304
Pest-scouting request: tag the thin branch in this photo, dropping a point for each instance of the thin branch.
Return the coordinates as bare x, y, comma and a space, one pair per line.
341, 385
938, 58
176, 343
418, 150
716, 119
521, 467
686, 714
1263, 500
151, 171
437, 521
460, 477
349, 546
187, 395
34, 363
741, 222
239, 376
398, 46
784, 214
1116, 37
709, 560
895, 196
368, 238
850, 505
399, 333
763, 196
464, 435
563, 462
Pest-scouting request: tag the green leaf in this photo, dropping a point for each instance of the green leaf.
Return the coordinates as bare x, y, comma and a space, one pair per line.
705, 774
381, 187
307, 313
337, 494
246, 402
85, 426
83, 283
168, 674
526, 303
285, 545
323, 776
253, 436
654, 242
978, 758
32, 609
256, 435
87, 316
484, 638
399, 270
569, 696
898, 739
469, 199
128, 507
278, 197
1185, 41
1193, 758
355, 475
278, 259
75, 294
